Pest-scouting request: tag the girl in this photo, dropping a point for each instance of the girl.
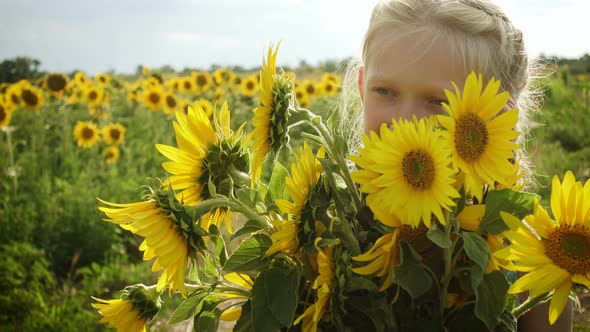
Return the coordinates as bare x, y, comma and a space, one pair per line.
412, 51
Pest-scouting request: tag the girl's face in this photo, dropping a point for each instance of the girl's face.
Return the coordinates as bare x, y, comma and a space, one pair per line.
405, 76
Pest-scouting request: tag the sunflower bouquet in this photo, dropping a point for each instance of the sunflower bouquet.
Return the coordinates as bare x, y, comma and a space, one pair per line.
424, 232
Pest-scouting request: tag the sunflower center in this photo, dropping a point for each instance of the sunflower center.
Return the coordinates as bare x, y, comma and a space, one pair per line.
14, 98
154, 97
92, 95
310, 89
115, 134
109, 155
418, 169
201, 80
250, 85
29, 97
87, 133
329, 87
187, 85
170, 101
56, 83
471, 137
568, 246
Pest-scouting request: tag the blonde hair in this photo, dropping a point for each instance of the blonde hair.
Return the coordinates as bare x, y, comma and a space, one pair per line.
479, 32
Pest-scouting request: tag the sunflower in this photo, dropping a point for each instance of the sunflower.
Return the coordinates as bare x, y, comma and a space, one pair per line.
331, 77
203, 81
94, 95
310, 88
405, 173
301, 97
205, 157
12, 96
170, 103
153, 98
173, 84
237, 82
111, 154
481, 137
205, 105
137, 305
86, 134
186, 85
272, 114
223, 76
243, 282
305, 174
554, 254
5, 115
470, 219
328, 88
285, 238
80, 78
103, 79
31, 97
56, 83
113, 133
249, 86
166, 236
323, 284
76, 95
3, 88
99, 112
219, 93
383, 257
120, 314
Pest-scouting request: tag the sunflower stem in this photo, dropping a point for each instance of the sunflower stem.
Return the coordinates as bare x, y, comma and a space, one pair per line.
233, 204
239, 177
315, 121
449, 262
528, 304
11, 157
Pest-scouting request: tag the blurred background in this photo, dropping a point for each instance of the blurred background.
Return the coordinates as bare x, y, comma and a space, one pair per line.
88, 87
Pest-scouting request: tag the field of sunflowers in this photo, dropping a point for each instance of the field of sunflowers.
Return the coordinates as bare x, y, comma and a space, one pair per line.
67, 139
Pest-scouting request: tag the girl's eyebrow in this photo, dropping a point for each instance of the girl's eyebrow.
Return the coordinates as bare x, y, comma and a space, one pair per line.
434, 89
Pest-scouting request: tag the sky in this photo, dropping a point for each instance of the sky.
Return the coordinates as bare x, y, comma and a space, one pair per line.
103, 35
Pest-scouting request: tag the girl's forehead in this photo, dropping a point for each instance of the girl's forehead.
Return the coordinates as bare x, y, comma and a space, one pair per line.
415, 58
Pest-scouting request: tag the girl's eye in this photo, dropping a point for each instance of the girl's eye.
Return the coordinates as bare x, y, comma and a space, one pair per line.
383, 91
437, 101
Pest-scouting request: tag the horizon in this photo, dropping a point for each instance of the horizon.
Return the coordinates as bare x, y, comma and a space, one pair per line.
120, 35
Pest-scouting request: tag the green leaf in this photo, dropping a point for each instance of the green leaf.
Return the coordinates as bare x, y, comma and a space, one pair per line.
207, 322
491, 298
250, 226
220, 252
282, 292
210, 267
246, 196
518, 204
278, 181
187, 308
508, 322
275, 295
244, 323
249, 255
477, 249
262, 318
439, 237
411, 274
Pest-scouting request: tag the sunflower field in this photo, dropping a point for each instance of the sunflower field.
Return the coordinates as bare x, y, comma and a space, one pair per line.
250, 173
